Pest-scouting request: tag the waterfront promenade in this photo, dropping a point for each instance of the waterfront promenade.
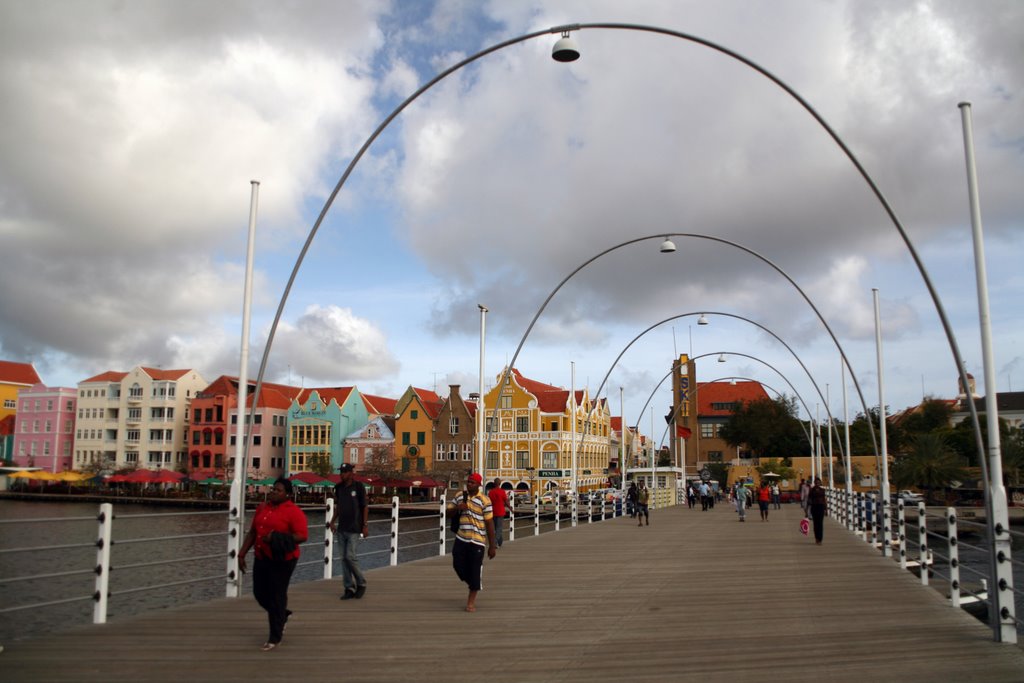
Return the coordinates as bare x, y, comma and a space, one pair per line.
695, 596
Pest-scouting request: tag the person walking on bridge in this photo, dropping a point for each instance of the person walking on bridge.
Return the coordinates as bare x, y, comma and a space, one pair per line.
740, 498
350, 521
817, 503
499, 502
643, 501
476, 532
764, 496
278, 527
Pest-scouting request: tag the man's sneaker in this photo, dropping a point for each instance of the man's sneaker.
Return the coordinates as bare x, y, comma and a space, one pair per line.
348, 595
360, 591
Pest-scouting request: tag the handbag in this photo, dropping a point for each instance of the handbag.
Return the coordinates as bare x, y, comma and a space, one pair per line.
456, 517
805, 526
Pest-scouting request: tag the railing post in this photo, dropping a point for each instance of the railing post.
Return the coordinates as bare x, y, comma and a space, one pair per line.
886, 516
444, 525
394, 531
902, 522
536, 515
954, 558
575, 509
328, 539
590, 512
851, 511
558, 512
859, 524
603, 501
106, 523
873, 519
512, 519
922, 542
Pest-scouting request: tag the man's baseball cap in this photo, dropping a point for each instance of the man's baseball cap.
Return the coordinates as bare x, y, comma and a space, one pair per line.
476, 478
346, 467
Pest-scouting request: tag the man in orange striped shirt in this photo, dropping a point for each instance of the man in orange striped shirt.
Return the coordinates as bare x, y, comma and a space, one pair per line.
476, 532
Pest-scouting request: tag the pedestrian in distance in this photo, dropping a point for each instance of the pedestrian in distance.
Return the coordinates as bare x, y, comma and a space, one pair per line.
475, 535
740, 497
350, 521
776, 496
631, 499
817, 503
705, 493
499, 503
278, 527
764, 496
643, 505
805, 489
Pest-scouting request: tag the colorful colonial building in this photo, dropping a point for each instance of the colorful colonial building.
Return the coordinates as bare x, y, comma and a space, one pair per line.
14, 377
415, 417
318, 422
135, 419
454, 437
44, 428
532, 429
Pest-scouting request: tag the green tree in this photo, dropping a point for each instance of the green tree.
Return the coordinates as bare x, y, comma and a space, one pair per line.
930, 465
1013, 455
933, 415
962, 440
719, 472
778, 467
769, 428
320, 464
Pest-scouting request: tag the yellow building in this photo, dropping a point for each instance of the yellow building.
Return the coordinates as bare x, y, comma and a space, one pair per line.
13, 378
529, 432
416, 412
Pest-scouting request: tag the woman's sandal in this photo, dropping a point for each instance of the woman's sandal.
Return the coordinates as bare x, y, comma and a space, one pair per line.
267, 647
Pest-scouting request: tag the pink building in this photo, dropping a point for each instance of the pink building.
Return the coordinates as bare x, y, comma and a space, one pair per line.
44, 427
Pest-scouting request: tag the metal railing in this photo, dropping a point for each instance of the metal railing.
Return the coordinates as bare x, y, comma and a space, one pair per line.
933, 548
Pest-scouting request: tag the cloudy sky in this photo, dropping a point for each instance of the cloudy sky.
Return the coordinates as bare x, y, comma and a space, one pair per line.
131, 131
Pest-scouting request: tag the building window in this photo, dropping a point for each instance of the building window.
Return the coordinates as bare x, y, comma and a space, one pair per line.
414, 414
554, 425
421, 438
730, 406
522, 460
453, 425
492, 460
550, 460
505, 402
707, 430
467, 451
522, 424
714, 456
405, 438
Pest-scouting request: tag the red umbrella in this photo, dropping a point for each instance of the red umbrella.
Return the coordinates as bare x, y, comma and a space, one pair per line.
115, 478
307, 478
167, 477
140, 477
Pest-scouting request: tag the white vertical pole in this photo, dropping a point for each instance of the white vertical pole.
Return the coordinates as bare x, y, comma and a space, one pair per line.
884, 502
1003, 596
328, 539
622, 441
828, 412
236, 508
572, 408
480, 440
654, 465
394, 531
849, 454
106, 519
444, 523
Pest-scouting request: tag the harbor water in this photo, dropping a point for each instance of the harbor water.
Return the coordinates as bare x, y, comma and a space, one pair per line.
203, 534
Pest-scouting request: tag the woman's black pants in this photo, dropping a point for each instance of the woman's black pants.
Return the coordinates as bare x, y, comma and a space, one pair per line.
270, 587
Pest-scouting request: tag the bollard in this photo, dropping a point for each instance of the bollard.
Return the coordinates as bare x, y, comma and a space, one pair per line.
536, 515
394, 531
922, 540
329, 540
106, 520
954, 558
444, 526
902, 521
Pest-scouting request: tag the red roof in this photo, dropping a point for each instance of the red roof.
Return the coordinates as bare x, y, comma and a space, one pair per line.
431, 402
533, 386
108, 376
379, 405
339, 394
18, 373
7, 426
709, 393
164, 375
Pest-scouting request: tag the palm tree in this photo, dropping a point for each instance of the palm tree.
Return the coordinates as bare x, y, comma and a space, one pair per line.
931, 464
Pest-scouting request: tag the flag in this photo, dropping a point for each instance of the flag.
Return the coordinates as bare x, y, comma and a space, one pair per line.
683, 432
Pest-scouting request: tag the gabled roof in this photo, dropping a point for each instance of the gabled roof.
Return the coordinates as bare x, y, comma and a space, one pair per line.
1008, 401
431, 402
339, 394
18, 373
709, 393
379, 405
108, 376
270, 397
533, 386
387, 431
165, 375
7, 426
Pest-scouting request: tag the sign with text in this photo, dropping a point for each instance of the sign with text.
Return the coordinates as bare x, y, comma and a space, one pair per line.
550, 474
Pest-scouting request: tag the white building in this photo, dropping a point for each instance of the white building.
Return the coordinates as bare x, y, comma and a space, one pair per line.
135, 419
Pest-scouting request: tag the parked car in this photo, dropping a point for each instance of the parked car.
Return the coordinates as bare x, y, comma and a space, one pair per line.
908, 496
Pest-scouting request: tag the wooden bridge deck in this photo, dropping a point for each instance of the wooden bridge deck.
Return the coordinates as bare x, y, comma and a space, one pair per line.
695, 596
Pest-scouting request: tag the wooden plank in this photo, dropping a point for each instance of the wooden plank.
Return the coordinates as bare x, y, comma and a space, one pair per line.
694, 595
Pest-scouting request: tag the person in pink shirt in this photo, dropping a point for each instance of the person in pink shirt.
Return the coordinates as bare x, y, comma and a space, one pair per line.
499, 503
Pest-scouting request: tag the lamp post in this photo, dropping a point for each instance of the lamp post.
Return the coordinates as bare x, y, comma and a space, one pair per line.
480, 409
884, 506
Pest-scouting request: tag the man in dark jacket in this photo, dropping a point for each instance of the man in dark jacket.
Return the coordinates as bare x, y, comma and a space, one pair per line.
350, 522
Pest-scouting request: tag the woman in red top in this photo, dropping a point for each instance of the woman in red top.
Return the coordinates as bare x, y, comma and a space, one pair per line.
278, 527
764, 496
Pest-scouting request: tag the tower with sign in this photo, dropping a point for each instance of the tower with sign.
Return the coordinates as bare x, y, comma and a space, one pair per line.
683, 417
